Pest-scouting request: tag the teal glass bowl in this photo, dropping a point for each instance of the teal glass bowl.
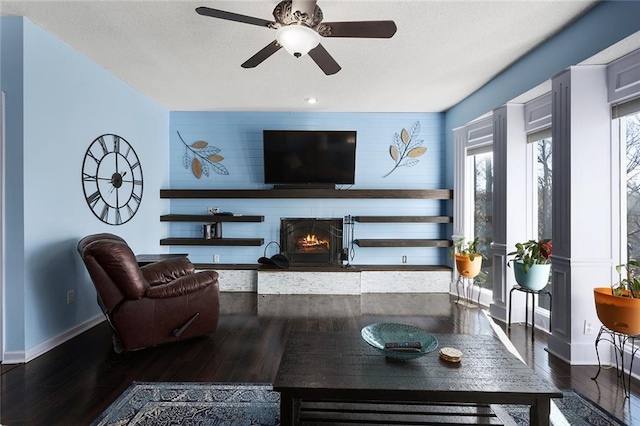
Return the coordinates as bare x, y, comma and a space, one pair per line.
377, 335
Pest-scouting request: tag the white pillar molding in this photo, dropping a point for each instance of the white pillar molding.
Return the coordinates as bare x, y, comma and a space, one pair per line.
583, 240
459, 179
509, 203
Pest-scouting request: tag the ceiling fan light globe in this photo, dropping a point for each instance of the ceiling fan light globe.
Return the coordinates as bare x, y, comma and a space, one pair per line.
298, 40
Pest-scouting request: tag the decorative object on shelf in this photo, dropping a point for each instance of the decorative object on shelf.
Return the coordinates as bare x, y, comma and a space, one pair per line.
202, 158
278, 259
468, 258
405, 148
618, 306
399, 341
532, 264
112, 179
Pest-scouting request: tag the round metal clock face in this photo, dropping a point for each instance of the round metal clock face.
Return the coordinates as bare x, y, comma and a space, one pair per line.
112, 179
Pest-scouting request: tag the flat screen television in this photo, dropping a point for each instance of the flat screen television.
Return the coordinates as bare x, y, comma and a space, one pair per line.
300, 157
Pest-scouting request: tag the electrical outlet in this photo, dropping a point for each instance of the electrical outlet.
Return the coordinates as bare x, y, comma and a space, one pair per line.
71, 297
212, 210
404, 259
216, 258
588, 327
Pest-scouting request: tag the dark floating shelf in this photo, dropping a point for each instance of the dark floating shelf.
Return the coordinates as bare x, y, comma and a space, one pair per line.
351, 268
403, 219
208, 218
402, 243
212, 242
438, 194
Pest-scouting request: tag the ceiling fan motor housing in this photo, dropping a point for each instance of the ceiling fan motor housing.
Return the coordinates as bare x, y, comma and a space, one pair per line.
285, 15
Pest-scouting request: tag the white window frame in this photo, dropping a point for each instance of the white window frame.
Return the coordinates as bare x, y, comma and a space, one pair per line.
537, 123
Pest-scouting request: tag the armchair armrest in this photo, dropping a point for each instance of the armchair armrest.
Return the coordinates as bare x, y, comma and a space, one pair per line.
167, 270
184, 285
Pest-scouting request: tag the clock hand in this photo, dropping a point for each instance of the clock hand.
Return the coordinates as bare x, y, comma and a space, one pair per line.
114, 185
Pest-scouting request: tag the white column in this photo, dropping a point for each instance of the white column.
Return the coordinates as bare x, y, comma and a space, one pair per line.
583, 182
509, 203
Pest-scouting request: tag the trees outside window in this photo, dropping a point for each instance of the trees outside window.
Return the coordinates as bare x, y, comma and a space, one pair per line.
544, 178
482, 166
630, 131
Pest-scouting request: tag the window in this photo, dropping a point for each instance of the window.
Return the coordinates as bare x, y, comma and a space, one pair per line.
481, 166
630, 138
544, 184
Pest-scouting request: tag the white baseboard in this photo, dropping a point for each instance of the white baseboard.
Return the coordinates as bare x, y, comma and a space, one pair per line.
20, 357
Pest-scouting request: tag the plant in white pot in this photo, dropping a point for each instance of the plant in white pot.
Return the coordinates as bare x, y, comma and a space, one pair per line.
532, 263
468, 258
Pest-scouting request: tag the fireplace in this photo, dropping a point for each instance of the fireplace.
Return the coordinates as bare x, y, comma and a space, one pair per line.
311, 241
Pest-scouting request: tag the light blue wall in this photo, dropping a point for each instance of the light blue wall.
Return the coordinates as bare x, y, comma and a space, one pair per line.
239, 137
605, 24
11, 79
67, 101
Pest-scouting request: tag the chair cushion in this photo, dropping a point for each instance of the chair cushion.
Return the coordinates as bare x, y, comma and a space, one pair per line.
119, 263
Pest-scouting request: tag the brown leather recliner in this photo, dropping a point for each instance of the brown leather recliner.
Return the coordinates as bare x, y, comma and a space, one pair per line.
157, 303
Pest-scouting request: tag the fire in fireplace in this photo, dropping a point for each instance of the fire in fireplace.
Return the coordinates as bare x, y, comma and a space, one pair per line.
311, 241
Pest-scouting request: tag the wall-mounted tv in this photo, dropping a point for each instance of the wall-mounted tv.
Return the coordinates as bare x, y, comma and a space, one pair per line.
298, 157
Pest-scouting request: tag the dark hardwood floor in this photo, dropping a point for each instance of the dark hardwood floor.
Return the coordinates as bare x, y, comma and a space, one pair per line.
73, 383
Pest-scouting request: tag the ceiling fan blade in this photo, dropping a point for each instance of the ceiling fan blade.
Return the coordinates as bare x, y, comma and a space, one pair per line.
259, 57
229, 16
360, 29
304, 6
324, 60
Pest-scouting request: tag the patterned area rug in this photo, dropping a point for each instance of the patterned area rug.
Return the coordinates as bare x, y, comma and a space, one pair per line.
257, 404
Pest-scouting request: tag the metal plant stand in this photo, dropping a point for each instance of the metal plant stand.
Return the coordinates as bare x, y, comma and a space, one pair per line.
467, 285
619, 341
533, 306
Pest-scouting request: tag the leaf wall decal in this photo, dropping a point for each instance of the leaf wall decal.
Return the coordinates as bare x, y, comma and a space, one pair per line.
186, 160
199, 144
205, 169
210, 150
415, 129
417, 152
394, 152
196, 168
219, 169
405, 136
406, 148
203, 158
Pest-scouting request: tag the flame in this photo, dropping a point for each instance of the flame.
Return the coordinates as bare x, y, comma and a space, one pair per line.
312, 242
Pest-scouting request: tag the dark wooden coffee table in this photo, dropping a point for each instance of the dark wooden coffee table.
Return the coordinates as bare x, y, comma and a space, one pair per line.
337, 375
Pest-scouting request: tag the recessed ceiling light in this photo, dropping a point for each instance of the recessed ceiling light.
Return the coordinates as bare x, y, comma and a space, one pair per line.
310, 100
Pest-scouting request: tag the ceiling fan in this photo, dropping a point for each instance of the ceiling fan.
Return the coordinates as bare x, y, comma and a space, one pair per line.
299, 27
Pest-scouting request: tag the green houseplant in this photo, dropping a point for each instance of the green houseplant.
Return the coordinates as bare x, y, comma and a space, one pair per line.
618, 306
468, 258
532, 263
630, 285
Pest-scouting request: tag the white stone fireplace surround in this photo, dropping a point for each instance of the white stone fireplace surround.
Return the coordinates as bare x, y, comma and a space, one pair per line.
336, 280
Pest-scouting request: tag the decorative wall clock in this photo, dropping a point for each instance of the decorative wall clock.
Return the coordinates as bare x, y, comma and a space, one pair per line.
112, 179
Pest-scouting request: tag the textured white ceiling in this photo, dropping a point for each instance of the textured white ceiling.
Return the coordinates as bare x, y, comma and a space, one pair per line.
441, 53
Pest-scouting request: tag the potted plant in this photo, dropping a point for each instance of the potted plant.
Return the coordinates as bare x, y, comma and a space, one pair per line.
468, 258
618, 306
532, 263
